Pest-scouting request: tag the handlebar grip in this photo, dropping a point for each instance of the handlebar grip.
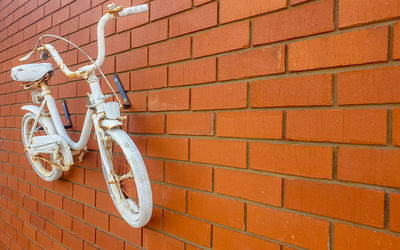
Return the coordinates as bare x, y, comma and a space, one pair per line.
27, 56
133, 10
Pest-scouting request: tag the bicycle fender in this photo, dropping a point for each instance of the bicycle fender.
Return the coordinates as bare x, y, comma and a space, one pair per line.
31, 108
110, 123
46, 120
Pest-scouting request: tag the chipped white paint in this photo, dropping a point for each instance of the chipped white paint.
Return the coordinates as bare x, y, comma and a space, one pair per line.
105, 117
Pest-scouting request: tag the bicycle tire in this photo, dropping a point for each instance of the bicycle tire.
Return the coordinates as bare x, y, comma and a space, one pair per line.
46, 171
136, 211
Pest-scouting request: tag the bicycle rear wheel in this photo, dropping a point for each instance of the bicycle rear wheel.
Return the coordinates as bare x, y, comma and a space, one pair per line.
40, 163
130, 185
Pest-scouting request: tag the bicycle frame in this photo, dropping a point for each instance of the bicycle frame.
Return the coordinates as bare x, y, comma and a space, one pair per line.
104, 117
96, 97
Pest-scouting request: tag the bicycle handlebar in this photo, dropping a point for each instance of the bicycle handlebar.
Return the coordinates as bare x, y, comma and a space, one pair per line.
113, 12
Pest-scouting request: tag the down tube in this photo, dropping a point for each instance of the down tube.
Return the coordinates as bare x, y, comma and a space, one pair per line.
55, 116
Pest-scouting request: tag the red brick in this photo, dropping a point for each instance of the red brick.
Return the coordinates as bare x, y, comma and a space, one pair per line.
340, 50
309, 161
72, 241
37, 193
79, 6
304, 231
353, 12
44, 241
396, 41
156, 218
37, 221
30, 6
106, 241
194, 176
76, 175
69, 26
219, 210
225, 96
155, 169
147, 123
96, 218
190, 123
84, 230
62, 220
250, 124
84, 194
153, 241
394, 215
226, 38
169, 197
132, 59
192, 72
150, 78
166, 147
53, 231
187, 228
336, 201
90, 17
170, 51
162, 8
23, 214
122, 229
45, 211
220, 152
249, 186
194, 20
104, 202
303, 21
150, 33
174, 99
226, 239
17, 223
73, 208
368, 86
294, 2
200, 2
346, 236
23, 241
292, 91
67, 90
368, 165
118, 43
80, 38
138, 101
60, 16
362, 126
29, 231
231, 10
52, 6
396, 126
43, 24
264, 61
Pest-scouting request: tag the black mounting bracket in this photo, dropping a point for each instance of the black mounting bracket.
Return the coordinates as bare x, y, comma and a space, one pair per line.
125, 101
69, 123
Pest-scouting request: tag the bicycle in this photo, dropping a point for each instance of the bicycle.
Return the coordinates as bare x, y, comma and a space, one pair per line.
49, 148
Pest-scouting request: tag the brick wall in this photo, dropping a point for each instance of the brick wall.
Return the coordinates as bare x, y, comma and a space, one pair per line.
263, 124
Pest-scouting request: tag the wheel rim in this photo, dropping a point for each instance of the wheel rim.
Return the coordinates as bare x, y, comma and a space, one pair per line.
123, 187
43, 168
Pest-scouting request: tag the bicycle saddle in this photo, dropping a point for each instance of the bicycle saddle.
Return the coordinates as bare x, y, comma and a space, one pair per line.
31, 72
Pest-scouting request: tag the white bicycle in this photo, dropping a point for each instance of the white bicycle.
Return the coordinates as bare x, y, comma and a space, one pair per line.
50, 149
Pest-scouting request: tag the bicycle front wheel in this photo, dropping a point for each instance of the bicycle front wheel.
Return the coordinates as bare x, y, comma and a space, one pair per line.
128, 181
